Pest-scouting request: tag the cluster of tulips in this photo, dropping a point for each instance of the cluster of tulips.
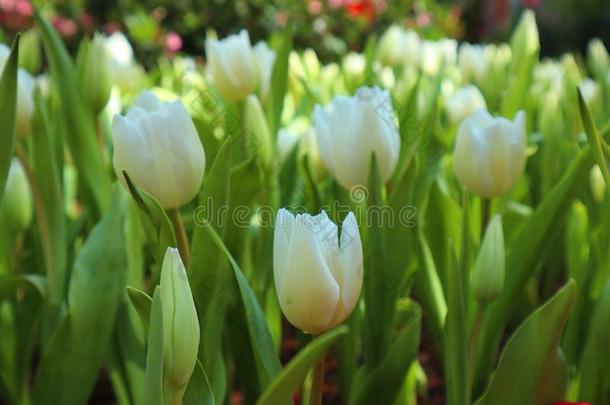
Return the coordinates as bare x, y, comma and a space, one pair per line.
469, 182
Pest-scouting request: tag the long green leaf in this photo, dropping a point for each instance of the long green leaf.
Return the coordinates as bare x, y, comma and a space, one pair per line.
595, 139
524, 363
267, 362
80, 127
74, 355
153, 380
199, 391
8, 95
280, 391
142, 303
383, 383
524, 255
11, 283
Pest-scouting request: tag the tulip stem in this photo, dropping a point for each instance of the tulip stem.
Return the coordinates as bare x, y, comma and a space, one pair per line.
472, 344
317, 385
181, 238
485, 213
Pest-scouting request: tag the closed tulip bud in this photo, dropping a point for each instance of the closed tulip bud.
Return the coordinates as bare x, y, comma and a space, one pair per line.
354, 128
180, 325
256, 124
525, 42
398, 46
25, 95
236, 68
30, 52
16, 202
472, 62
597, 57
436, 54
317, 276
490, 153
94, 73
487, 278
463, 103
157, 145
598, 184
121, 61
353, 67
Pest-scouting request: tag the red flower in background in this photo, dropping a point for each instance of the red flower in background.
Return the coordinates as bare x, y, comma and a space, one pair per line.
361, 8
16, 14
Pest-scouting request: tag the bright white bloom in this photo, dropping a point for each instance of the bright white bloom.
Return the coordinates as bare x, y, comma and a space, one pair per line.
436, 54
352, 129
490, 153
472, 62
463, 103
25, 95
121, 61
318, 277
354, 65
589, 90
157, 145
238, 69
398, 45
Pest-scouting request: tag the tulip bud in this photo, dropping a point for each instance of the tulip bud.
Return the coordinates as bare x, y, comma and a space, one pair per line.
16, 203
30, 52
472, 62
236, 68
488, 275
317, 276
256, 124
436, 54
398, 46
598, 184
354, 128
525, 42
94, 73
25, 95
490, 153
463, 103
353, 67
309, 146
597, 57
180, 325
121, 61
158, 146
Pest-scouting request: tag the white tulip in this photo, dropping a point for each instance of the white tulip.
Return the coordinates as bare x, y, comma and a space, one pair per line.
353, 66
238, 69
25, 95
589, 90
436, 54
351, 130
121, 61
463, 103
490, 153
472, 62
317, 277
398, 45
157, 145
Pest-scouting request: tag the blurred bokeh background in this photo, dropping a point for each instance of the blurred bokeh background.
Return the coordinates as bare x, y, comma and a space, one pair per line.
330, 27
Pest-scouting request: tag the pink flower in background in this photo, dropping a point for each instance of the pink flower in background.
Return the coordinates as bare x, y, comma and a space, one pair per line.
112, 27
16, 14
531, 4
67, 28
173, 42
314, 7
335, 4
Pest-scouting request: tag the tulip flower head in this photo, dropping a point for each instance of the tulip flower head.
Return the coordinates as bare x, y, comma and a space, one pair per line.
490, 153
16, 202
180, 324
121, 61
25, 95
463, 103
351, 130
238, 69
157, 145
318, 277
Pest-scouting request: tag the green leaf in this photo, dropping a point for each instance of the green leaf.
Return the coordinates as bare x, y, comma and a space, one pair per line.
291, 378
209, 282
456, 349
75, 353
199, 391
79, 122
267, 362
10, 284
383, 383
524, 256
595, 375
154, 220
279, 82
8, 95
142, 304
595, 139
524, 363
153, 380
